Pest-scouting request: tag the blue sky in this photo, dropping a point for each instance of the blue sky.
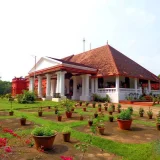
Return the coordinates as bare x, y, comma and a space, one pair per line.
57, 28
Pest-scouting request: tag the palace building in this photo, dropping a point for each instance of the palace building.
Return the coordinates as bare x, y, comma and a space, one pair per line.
102, 71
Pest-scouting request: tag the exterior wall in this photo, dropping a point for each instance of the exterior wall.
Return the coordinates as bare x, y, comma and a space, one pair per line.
18, 85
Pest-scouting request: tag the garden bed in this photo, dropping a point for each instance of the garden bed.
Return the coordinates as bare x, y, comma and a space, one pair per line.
138, 134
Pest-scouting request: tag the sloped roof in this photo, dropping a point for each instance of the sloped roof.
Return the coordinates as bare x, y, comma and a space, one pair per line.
109, 62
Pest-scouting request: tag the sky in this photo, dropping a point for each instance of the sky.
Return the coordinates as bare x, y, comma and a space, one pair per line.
56, 28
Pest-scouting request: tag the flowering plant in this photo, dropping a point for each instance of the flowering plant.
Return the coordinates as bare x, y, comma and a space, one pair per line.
66, 158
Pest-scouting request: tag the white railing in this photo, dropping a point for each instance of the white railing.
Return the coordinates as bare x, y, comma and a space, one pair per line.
155, 91
106, 90
130, 90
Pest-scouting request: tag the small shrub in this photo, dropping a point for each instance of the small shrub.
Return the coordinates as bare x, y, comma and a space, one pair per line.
66, 129
43, 131
125, 115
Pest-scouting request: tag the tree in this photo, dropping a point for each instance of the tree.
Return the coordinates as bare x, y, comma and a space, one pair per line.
159, 75
5, 87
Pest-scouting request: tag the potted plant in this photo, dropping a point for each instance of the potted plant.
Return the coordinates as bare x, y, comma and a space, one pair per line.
110, 110
101, 127
23, 120
154, 100
66, 133
72, 108
11, 112
111, 118
80, 103
130, 109
43, 136
99, 107
94, 104
119, 107
141, 112
106, 106
59, 116
150, 113
95, 114
84, 108
68, 104
124, 120
56, 109
113, 107
87, 103
40, 111
158, 123
90, 121
81, 116
158, 115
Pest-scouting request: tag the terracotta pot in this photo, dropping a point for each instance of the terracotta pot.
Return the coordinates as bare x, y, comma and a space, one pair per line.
119, 111
158, 126
11, 113
101, 130
84, 109
68, 114
111, 119
40, 114
45, 141
141, 114
49, 107
95, 115
59, 118
105, 108
80, 104
110, 113
66, 137
99, 109
124, 124
81, 118
94, 105
150, 116
90, 123
23, 121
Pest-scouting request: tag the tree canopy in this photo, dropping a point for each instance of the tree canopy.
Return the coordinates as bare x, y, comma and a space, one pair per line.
5, 87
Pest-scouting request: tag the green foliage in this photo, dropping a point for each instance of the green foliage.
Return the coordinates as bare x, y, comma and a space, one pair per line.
119, 106
23, 116
5, 87
66, 129
125, 115
98, 98
99, 105
40, 109
26, 97
43, 131
158, 120
112, 106
87, 103
68, 104
110, 109
149, 112
130, 109
141, 110
59, 113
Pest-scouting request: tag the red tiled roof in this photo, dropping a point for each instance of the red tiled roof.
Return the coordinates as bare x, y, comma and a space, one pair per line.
109, 62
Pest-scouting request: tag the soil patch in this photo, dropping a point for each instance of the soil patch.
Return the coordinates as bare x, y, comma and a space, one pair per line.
60, 148
138, 133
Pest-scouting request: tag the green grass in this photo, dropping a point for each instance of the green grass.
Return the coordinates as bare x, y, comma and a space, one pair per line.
6, 105
127, 151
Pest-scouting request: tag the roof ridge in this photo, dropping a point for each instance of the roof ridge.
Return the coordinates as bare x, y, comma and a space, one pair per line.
108, 46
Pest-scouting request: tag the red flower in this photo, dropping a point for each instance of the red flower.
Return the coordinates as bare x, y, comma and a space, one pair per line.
28, 141
3, 142
8, 149
66, 158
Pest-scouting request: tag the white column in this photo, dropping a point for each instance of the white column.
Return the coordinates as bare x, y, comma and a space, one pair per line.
117, 90
57, 82
61, 83
92, 85
53, 87
40, 86
117, 83
149, 86
87, 85
48, 85
96, 85
67, 85
31, 84
83, 85
74, 97
135, 85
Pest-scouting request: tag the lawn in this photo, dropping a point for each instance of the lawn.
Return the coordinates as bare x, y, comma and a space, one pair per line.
141, 142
